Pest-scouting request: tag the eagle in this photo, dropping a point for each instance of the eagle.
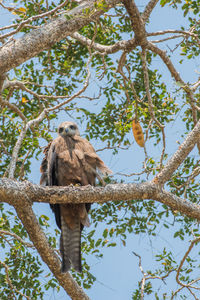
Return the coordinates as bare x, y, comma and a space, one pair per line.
70, 160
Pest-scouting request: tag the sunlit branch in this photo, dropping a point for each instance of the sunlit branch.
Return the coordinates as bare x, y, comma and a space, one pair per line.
90, 194
179, 156
104, 49
29, 20
15, 152
166, 39
195, 86
21, 85
167, 62
144, 275
29, 45
182, 32
136, 21
148, 9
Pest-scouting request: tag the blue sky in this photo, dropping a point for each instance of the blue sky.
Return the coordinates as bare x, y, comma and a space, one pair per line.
118, 272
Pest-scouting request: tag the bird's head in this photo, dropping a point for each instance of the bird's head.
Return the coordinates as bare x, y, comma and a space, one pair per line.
68, 129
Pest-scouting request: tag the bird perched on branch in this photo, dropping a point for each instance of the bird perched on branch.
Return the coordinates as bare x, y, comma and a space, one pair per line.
70, 159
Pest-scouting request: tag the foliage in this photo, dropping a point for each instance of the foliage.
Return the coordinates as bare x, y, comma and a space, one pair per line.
108, 113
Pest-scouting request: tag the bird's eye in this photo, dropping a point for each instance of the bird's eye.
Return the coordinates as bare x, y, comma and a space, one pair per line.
60, 129
72, 127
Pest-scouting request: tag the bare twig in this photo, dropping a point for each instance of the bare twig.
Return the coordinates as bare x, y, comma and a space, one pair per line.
147, 276
182, 32
114, 147
168, 38
150, 104
195, 241
14, 108
15, 236
144, 275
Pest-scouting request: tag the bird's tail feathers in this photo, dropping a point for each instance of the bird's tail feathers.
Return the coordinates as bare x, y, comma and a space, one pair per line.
70, 247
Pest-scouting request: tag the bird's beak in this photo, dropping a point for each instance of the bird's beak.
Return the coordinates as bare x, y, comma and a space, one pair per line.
66, 130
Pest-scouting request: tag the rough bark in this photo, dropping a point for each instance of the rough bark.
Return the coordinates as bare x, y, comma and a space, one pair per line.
16, 52
179, 156
137, 22
16, 193
48, 255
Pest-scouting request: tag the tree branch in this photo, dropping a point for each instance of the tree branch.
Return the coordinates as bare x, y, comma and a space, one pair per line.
37, 236
177, 77
195, 241
150, 103
104, 49
137, 22
179, 156
148, 9
16, 194
13, 107
29, 20
18, 51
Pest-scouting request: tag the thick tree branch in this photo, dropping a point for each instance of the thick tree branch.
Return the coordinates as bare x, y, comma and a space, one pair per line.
179, 156
18, 51
29, 20
15, 193
37, 236
148, 9
137, 22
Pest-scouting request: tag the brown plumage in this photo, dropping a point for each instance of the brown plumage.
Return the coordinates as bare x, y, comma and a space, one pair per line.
70, 159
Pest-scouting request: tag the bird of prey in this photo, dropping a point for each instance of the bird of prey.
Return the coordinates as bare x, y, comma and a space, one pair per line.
70, 159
